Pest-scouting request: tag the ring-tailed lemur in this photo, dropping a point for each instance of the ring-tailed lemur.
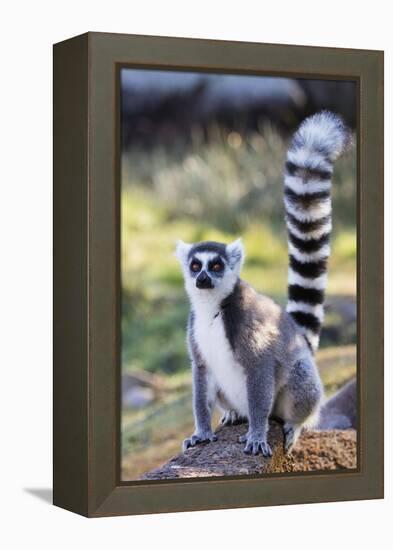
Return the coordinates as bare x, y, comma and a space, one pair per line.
248, 355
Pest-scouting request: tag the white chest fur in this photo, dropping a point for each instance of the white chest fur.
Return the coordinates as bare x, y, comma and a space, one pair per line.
225, 373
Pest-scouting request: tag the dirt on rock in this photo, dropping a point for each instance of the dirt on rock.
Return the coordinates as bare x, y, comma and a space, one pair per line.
315, 450
325, 450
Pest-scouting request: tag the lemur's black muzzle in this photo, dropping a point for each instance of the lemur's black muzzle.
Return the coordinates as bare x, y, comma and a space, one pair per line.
203, 280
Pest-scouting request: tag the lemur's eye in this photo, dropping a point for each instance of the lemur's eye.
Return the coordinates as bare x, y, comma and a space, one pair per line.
217, 266
195, 266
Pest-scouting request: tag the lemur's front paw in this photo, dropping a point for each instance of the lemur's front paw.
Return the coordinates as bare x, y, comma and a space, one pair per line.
206, 436
256, 444
232, 418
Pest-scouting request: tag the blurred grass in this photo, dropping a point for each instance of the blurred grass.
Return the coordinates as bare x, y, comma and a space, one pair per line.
229, 181
226, 187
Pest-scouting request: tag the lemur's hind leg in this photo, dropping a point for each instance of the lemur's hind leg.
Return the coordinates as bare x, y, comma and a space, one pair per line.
232, 418
291, 434
299, 400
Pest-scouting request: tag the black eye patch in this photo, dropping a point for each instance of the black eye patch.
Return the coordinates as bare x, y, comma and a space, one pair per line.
216, 265
195, 266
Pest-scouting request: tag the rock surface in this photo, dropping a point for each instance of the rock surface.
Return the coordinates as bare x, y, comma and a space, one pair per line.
340, 411
315, 450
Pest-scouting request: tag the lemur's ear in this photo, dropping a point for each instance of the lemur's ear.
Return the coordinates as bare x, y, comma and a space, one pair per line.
182, 250
235, 252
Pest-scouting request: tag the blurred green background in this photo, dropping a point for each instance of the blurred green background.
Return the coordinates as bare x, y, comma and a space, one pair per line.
216, 180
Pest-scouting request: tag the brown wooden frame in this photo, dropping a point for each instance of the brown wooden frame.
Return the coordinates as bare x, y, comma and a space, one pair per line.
87, 276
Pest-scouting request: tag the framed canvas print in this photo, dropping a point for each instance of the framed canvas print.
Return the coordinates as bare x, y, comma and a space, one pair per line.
218, 274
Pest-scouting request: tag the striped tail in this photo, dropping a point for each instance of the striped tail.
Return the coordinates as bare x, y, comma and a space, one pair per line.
317, 143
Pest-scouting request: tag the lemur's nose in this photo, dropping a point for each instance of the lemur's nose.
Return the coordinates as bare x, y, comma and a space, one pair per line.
203, 280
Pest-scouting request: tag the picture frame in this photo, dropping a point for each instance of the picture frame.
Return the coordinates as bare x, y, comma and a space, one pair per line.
86, 384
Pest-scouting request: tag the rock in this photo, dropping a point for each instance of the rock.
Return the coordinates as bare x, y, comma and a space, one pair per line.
315, 450
140, 388
137, 397
340, 411
325, 450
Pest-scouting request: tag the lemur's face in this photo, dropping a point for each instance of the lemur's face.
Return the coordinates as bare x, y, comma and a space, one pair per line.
210, 267
207, 268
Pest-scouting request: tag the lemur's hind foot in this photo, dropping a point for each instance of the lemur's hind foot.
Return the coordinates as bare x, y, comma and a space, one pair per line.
232, 418
291, 435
